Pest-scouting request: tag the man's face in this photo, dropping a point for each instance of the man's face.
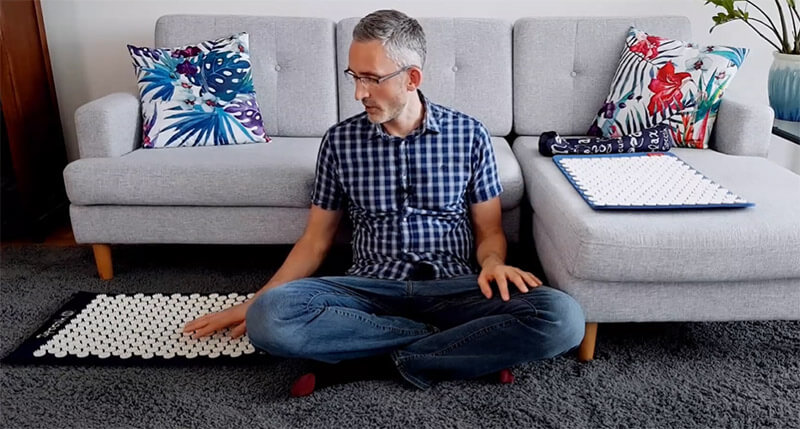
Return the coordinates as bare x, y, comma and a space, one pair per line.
383, 102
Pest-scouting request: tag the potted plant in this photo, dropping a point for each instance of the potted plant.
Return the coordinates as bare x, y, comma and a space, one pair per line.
784, 74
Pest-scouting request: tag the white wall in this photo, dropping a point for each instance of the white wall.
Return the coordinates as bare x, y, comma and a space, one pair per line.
87, 38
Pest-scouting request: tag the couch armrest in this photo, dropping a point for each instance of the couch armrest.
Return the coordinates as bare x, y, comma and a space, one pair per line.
109, 126
742, 129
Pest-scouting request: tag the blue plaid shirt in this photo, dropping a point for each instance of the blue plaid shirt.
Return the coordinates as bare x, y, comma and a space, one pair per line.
408, 197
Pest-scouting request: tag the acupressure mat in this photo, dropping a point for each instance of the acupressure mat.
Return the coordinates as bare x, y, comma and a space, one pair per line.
140, 329
636, 181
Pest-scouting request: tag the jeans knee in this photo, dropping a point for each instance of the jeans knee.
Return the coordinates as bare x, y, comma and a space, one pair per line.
270, 324
571, 321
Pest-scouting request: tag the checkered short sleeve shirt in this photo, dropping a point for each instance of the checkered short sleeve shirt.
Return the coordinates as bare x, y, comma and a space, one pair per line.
408, 197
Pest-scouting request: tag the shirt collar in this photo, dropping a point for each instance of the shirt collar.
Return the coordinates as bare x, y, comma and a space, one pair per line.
429, 124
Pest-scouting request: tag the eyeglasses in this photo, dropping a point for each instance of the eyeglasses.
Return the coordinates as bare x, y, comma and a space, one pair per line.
373, 81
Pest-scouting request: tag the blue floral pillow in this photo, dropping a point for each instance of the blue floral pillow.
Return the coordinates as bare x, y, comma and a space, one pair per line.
198, 95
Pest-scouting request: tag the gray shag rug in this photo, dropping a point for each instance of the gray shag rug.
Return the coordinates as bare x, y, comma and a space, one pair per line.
670, 375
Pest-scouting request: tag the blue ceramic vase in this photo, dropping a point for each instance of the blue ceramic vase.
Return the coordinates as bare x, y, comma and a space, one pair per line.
784, 86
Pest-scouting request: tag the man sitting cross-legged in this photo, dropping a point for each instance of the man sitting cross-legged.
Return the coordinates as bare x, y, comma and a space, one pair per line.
421, 187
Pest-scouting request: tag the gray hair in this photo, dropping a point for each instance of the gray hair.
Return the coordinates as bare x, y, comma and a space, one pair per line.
400, 35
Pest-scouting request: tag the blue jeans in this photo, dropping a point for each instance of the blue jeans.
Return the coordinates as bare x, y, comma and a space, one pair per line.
434, 329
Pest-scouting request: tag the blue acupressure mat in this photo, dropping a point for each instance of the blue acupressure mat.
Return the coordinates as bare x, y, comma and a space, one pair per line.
643, 181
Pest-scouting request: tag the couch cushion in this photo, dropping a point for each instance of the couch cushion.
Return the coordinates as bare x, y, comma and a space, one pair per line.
277, 174
468, 68
563, 67
755, 243
293, 62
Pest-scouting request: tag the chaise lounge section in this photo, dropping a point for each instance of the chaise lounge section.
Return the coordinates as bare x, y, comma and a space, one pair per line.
648, 266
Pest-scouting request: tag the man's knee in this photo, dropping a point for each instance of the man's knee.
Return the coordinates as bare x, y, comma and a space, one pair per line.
273, 320
560, 319
571, 320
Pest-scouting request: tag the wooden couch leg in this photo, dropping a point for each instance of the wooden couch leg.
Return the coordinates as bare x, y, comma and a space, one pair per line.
102, 256
586, 350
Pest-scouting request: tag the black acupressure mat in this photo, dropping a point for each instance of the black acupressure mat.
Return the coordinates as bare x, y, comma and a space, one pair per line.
133, 329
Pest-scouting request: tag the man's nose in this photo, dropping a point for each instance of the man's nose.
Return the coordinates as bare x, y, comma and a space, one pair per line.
361, 91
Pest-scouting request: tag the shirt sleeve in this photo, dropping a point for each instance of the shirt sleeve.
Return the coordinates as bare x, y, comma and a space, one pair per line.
485, 182
327, 192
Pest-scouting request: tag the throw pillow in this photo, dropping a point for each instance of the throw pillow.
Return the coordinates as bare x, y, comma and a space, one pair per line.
661, 80
198, 95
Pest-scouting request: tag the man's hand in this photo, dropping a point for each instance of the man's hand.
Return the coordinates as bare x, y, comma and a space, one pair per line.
501, 274
233, 317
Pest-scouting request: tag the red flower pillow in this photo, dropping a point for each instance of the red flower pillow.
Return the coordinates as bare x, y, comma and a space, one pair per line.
662, 80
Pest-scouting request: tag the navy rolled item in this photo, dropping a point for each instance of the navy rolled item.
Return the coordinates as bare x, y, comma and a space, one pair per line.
655, 139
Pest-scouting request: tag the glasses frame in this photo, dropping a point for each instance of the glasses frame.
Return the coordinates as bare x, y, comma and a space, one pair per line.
375, 81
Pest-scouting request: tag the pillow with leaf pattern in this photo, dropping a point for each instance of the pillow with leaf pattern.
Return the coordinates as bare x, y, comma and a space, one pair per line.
661, 80
198, 95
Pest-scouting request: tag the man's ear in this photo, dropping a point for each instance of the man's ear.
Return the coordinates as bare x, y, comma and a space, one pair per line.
414, 78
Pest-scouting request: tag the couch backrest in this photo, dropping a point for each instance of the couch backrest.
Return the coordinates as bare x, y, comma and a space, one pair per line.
563, 67
468, 67
293, 62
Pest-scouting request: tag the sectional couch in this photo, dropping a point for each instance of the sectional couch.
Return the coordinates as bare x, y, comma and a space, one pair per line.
737, 264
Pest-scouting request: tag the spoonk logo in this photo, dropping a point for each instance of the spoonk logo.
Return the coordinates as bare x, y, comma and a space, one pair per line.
63, 317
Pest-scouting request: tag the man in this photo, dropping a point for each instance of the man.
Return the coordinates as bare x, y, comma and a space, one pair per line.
421, 187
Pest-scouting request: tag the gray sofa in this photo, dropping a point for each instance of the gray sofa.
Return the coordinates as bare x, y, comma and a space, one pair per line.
646, 266
260, 193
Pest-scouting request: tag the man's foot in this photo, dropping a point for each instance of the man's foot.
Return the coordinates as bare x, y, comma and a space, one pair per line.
377, 368
506, 376
349, 371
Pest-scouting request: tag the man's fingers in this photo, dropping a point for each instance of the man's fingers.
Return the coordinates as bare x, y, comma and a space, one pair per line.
483, 283
528, 279
502, 286
531, 279
200, 321
208, 330
194, 325
519, 282
209, 327
239, 330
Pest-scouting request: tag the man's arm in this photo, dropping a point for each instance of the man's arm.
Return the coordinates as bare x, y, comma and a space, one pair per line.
490, 251
490, 241
310, 250
304, 259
